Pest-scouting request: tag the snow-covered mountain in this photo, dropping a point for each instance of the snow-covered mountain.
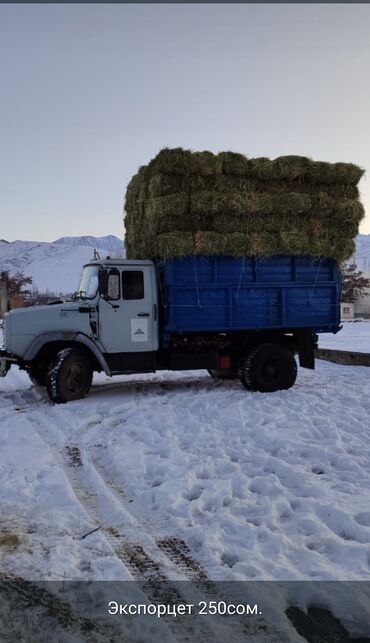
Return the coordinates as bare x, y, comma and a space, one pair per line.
109, 242
56, 266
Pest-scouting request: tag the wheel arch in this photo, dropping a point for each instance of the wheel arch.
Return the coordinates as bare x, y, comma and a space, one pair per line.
49, 344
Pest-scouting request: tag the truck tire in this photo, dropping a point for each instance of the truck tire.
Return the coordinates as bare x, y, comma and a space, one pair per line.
223, 373
70, 376
268, 368
38, 375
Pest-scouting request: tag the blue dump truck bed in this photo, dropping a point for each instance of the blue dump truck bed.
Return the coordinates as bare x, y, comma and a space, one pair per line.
216, 293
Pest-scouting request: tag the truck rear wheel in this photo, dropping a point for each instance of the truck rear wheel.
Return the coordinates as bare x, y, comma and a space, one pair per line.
70, 376
268, 368
223, 373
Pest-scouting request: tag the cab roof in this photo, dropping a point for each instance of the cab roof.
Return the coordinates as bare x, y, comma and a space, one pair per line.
119, 262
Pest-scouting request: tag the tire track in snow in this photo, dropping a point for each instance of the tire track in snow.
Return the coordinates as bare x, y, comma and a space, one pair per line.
137, 551
179, 553
14, 403
152, 561
20, 594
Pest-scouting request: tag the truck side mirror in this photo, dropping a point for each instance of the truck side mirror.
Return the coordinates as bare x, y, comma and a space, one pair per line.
103, 283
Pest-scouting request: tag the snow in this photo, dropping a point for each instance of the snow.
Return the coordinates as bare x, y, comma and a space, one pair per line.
55, 266
255, 486
109, 242
354, 336
258, 486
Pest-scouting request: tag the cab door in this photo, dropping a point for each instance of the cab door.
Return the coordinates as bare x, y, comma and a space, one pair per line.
128, 318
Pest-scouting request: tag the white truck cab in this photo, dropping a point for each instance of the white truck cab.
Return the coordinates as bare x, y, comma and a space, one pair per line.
110, 324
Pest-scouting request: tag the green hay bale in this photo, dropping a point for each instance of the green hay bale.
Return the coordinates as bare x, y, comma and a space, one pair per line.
201, 202
175, 205
170, 161
204, 164
221, 183
261, 168
167, 184
263, 244
228, 224
345, 252
213, 203
207, 242
236, 244
290, 167
249, 203
294, 242
234, 163
348, 173
339, 173
349, 210
301, 168
289, 203
180, 161
304, 169
175, 244
168, 223
227, 183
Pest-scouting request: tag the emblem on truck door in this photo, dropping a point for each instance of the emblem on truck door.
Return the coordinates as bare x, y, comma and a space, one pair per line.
139, 330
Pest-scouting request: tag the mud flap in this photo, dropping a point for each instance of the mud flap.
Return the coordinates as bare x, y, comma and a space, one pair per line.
306, 343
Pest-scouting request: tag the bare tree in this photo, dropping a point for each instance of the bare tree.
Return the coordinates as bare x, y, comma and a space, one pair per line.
354, 284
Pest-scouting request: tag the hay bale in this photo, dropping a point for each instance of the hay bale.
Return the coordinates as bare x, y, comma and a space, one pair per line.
334, 173
234, 164
175, 244
250, 203
213, 203
175, 205
290, 167
236, 244
184, 202
184, 162
204, 164
170, 161
167, 184
207, 242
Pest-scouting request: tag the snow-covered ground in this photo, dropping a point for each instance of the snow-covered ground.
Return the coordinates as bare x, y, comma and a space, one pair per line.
255, 486
354, 336
179, 476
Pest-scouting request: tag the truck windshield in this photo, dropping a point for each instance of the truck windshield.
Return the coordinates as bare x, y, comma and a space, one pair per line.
89, 283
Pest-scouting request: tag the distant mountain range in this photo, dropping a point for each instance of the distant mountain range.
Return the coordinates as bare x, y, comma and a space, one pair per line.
56, 266
109, 242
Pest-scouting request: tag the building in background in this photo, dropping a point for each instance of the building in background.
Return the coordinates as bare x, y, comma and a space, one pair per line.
362, 306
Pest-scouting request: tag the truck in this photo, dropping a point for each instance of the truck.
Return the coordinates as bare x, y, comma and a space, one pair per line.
244, 318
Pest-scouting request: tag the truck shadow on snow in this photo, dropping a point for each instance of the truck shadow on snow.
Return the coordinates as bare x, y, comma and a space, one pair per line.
161, 387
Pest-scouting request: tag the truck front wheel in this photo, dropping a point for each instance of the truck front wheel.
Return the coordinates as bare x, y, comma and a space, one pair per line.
268, 368
70, 376
38, 374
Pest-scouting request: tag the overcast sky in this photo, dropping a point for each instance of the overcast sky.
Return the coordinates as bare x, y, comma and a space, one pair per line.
90, 92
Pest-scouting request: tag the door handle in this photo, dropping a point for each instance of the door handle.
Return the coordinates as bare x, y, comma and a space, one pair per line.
143, 314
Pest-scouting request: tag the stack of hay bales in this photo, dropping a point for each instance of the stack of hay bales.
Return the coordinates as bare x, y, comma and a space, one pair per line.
185, 203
